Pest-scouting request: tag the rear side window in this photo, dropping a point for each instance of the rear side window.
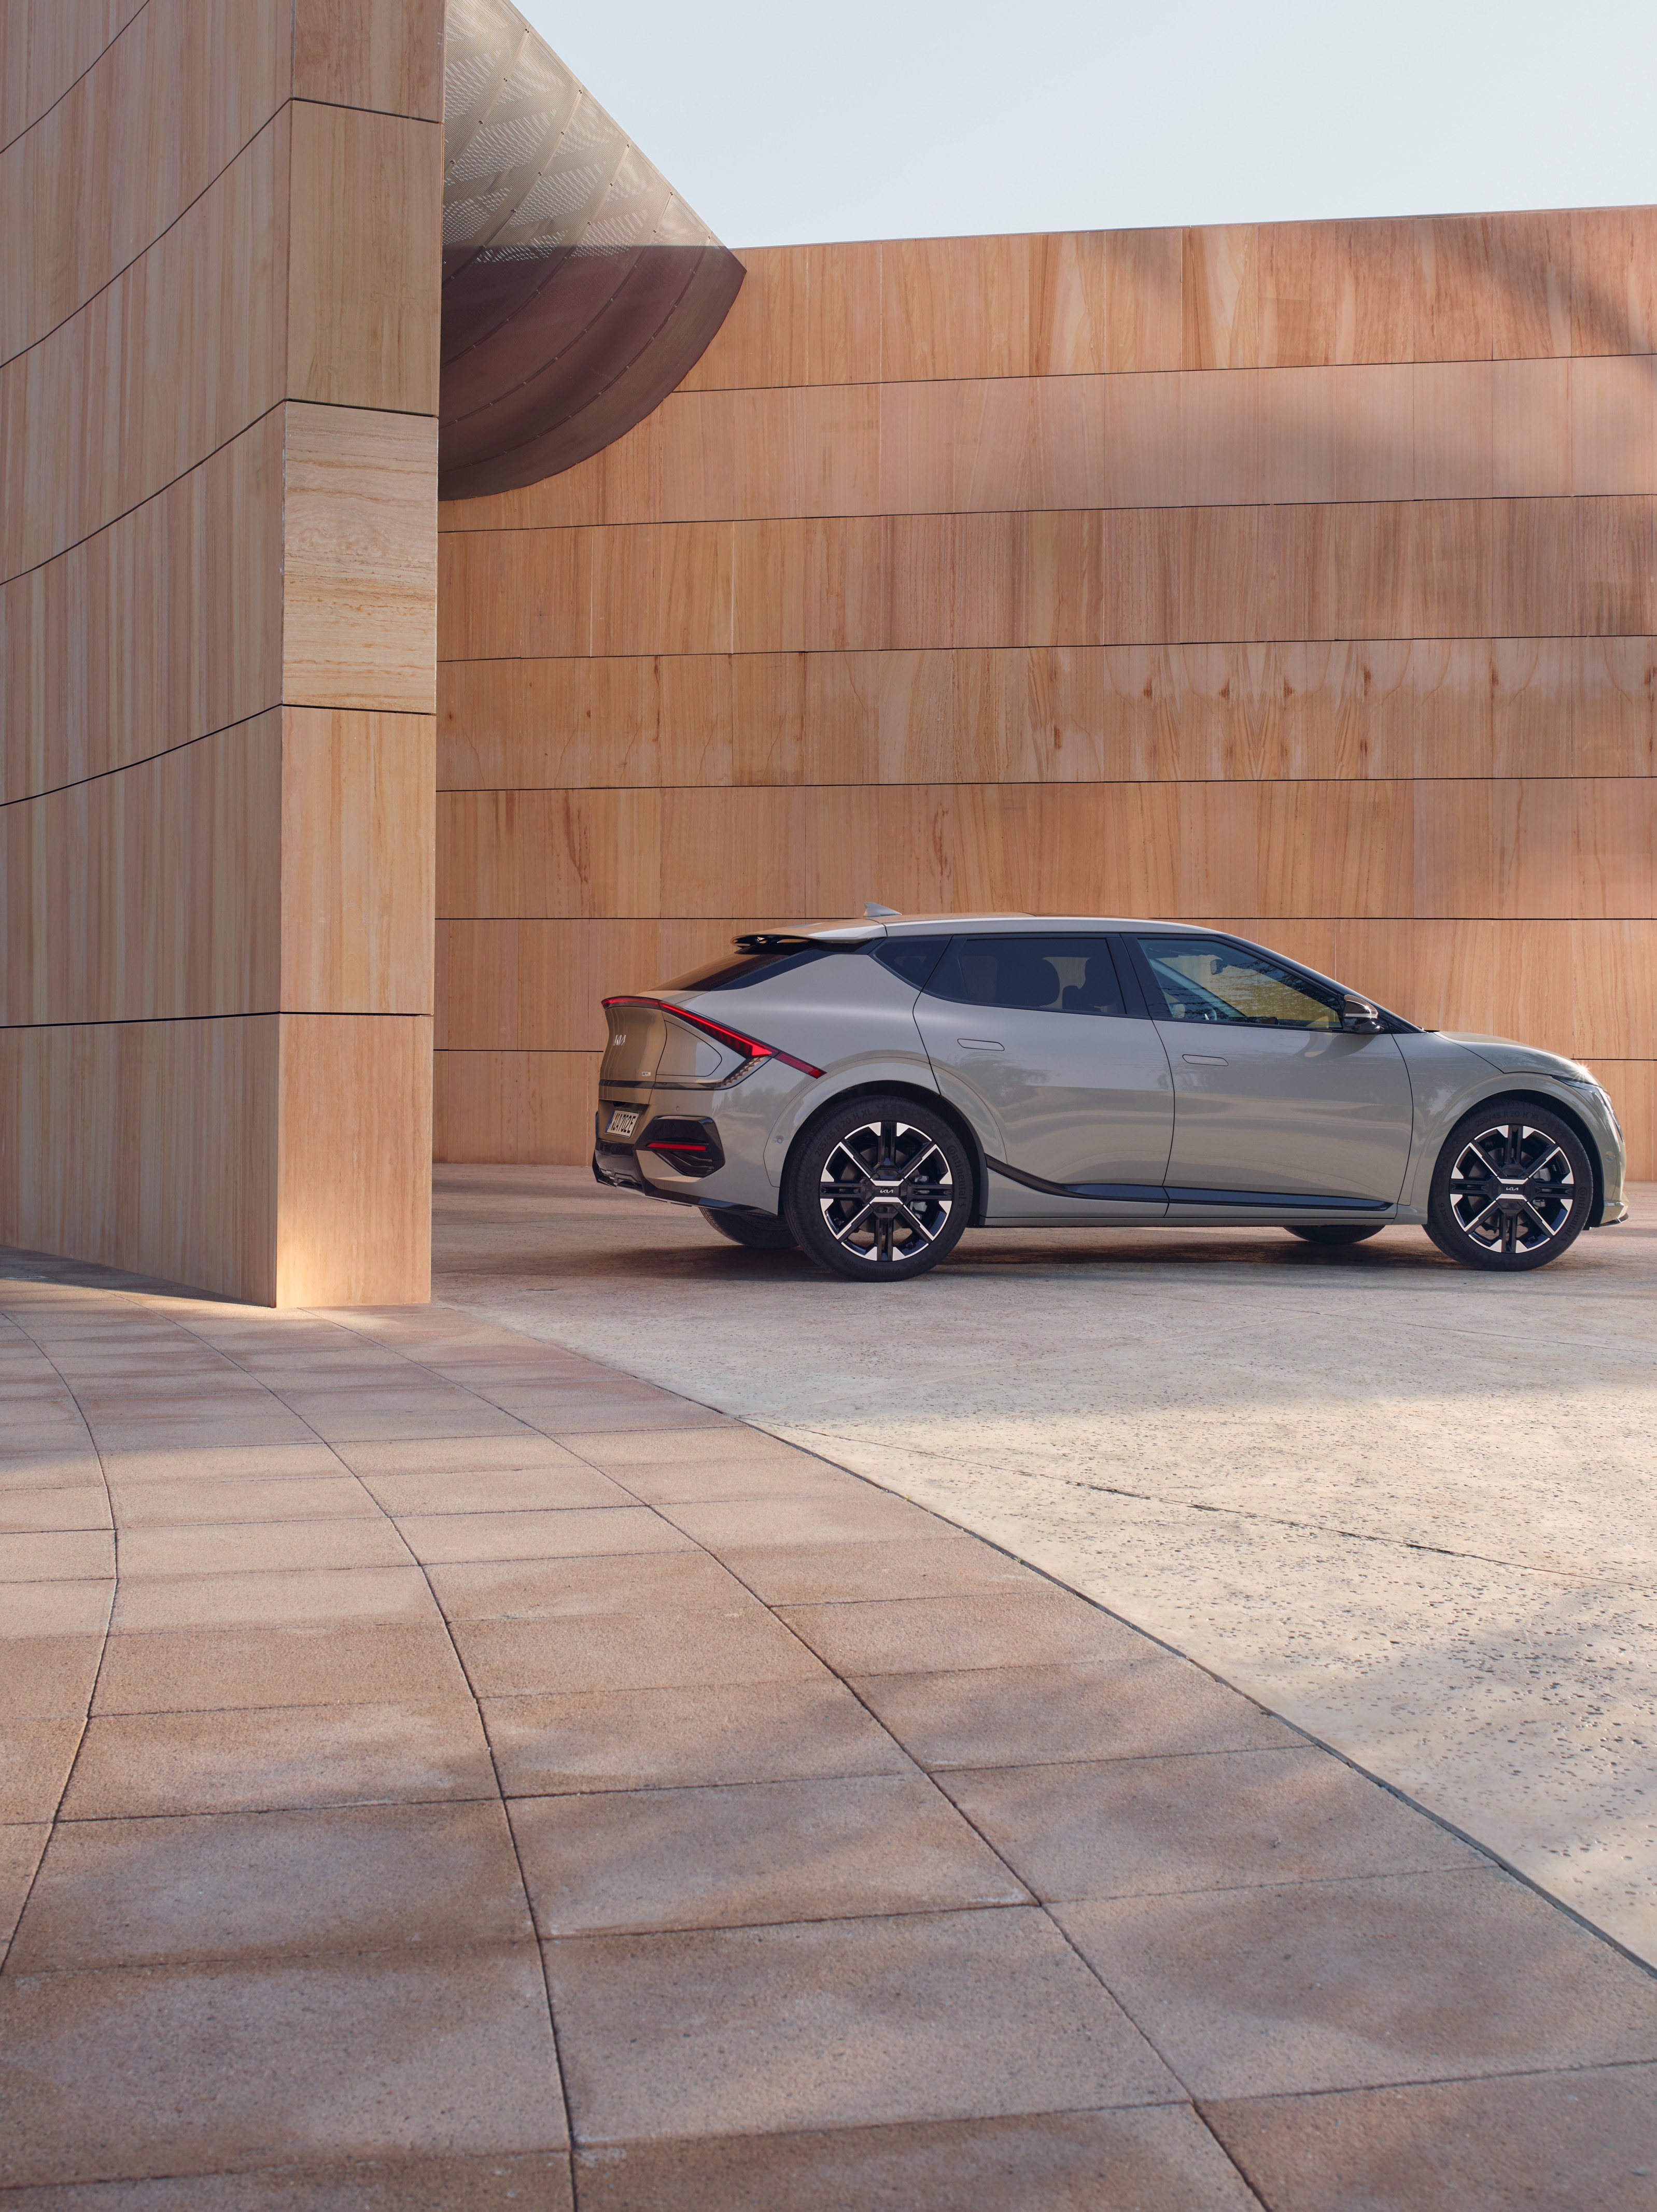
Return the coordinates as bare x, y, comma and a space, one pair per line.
912, 957
735, 970
1053, 975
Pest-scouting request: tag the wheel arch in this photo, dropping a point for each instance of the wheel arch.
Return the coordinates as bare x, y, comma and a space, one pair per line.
1562, 1110
881, 1087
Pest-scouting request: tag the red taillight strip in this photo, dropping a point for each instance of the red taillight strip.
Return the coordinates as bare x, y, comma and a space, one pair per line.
750, 1048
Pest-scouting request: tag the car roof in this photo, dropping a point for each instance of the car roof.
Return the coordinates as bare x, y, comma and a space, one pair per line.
1008, 925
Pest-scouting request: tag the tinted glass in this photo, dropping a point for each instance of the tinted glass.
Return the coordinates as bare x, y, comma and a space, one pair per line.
1056, 975
737, 969
912, 957
1203, 979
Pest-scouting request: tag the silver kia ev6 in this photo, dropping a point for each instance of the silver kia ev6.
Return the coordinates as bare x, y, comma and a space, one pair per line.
869, 1090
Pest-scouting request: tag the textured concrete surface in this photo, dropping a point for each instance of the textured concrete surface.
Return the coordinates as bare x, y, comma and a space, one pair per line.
1409, 1507
498, 1781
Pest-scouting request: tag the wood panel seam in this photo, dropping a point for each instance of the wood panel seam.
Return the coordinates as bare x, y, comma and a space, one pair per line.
1064, 375
141, 760
1051, 645
1002, 782
160, 492
992, 513
150, 244
237, 1014
35, 121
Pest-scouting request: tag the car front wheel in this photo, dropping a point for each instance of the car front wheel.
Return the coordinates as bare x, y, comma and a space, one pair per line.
1512, 1189
879, 1189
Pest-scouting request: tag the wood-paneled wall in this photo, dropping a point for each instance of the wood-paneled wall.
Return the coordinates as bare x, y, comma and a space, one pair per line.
218, 387
1301, 578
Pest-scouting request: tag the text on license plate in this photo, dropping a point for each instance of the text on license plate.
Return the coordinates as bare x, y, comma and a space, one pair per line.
624, 1120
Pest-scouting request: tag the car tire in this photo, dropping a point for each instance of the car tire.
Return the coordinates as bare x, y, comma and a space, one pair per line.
1335, 1232
1513, 1188
758, 1232
852, 1153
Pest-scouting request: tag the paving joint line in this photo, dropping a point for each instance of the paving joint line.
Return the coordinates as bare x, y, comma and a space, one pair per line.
500, 1798
57, 1816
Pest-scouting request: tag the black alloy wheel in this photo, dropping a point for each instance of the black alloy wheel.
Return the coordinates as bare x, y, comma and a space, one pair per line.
1512, 1189
879, 1189
1335, 1232
760, 1232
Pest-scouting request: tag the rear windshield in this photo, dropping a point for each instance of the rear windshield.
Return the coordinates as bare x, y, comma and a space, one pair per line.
733, 971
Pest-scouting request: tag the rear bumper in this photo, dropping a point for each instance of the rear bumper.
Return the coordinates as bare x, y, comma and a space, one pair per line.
621, 1170
617, 1164
682, 1152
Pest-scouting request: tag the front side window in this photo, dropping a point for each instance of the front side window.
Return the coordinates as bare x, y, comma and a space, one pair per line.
1052, 975
1203, 979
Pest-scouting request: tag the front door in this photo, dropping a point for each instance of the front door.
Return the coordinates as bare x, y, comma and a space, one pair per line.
1272, 1099
1069, 1092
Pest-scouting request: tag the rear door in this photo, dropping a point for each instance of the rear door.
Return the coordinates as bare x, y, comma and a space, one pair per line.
1272, 1100
1068, 1085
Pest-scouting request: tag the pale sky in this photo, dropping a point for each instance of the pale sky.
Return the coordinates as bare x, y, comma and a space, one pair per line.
785, 123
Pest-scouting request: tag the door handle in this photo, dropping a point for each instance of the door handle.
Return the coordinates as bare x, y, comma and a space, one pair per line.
1205, 1060
979, 1044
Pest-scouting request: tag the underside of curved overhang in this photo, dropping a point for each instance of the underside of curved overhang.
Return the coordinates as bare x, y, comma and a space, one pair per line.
578, 287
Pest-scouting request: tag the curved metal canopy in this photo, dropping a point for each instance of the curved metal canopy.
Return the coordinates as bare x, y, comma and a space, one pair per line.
578, 287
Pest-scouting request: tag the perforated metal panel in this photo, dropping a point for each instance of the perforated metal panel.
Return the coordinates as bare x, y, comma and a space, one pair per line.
578, 287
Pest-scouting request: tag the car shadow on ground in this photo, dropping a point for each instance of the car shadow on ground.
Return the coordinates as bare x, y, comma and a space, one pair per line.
719, 1261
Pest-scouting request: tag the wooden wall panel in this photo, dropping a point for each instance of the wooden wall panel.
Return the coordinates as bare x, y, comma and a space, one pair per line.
146, 1145
1300, 575
101, 659
362, 282
357, 853
284, 862
353, 1158
1282, 572
175, 98
1436, 430
218, 639
151, 894
1220, 298
179, 355
1362, 707
386, 56
528, 1107
359, 622
45, 47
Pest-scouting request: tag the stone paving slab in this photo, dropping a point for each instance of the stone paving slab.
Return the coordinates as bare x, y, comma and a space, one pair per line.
474, 1777
1406, 1505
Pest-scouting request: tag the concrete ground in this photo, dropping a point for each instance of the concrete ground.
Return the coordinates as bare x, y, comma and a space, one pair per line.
1409, 1507
444, 1771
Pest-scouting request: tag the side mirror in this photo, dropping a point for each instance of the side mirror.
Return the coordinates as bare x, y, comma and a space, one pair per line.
1358, 1017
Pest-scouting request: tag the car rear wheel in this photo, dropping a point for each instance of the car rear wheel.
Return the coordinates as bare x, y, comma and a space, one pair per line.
1335, 1232
760, 1232
1512, 1189
879, 1189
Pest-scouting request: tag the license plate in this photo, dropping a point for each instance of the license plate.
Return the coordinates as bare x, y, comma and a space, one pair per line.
624, 1120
